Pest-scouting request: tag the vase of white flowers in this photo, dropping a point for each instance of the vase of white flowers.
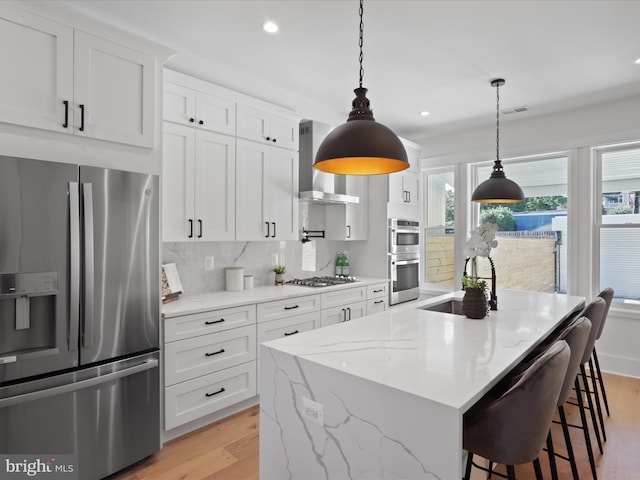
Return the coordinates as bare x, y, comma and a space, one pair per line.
481, 241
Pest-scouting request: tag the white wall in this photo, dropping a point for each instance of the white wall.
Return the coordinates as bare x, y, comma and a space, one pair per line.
574, 132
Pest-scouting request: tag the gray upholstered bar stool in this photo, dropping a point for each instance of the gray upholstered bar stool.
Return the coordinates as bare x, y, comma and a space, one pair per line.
576, 335
607, 296
512, 429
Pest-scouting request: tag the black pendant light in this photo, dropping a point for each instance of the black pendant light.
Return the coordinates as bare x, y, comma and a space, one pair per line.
498, 189
361, 146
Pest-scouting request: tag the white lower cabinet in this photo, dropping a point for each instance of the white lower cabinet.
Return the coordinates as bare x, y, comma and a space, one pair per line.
377, 298
201, 396
209, 362
343, 313
291, 307
286, 327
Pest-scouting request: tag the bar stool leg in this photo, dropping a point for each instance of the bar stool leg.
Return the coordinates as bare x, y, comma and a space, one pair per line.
600, 381
597, 399
585, 429
567, 441
552, 457
467, 472
537, 469
592, 410
511, 472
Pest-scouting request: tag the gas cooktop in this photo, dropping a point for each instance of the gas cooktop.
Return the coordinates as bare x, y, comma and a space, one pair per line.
321, 281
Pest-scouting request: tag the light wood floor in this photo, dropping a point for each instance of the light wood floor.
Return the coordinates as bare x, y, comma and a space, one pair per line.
228, 450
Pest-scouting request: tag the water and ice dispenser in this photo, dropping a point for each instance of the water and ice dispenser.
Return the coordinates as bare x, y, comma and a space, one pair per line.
28, 313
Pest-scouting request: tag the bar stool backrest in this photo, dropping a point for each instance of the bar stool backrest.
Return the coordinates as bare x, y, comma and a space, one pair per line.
576, 335
607, 296
594, 312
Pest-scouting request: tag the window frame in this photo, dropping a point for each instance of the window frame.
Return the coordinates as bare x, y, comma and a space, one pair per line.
630, 310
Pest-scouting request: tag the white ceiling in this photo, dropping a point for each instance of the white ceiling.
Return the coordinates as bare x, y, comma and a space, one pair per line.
418, 55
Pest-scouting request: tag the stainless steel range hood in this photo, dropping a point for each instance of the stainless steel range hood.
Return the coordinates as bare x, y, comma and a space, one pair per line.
316, 186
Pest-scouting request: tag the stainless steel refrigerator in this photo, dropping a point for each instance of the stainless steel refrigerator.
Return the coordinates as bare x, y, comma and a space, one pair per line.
79, 314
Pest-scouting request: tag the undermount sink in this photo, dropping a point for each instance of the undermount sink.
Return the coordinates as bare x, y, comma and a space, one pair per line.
448, 306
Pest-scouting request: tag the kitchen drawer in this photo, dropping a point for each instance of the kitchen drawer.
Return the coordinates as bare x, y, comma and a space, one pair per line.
201, 396
193, 357
288, 308
378, 290
285, 327
187, 326
377, 305
343, 296
342, 313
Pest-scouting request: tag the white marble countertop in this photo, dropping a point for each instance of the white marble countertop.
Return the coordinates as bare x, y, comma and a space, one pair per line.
189, 304
446, 358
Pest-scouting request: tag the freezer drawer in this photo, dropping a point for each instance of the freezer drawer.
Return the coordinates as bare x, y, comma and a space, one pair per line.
108, 416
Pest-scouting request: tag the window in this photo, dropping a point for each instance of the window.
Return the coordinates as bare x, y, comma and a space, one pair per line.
532, 235
618, 222
439, 229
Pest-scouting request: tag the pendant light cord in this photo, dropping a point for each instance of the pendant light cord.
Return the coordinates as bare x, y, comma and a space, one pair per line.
498, 123
361, 36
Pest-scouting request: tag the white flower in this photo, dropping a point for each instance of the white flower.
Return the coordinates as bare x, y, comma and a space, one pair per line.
481, 240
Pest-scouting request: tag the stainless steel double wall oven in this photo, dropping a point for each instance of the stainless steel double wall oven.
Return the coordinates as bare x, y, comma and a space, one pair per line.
404, 260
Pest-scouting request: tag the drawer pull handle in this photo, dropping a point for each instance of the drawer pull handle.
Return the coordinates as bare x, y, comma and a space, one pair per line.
214, 353
378, 291
214, 321
379, 301
291, 308
291, 333
215, 393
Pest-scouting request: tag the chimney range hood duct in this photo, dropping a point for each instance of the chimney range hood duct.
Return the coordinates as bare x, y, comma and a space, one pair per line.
316, 186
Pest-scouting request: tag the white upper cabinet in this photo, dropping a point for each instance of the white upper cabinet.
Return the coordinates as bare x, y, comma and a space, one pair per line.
264, 127
69, 81
37, 59
187, 106
350, 222
266, 192
113, 91
198, 174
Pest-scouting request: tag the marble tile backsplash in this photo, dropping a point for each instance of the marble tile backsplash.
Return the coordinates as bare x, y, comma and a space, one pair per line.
254, 257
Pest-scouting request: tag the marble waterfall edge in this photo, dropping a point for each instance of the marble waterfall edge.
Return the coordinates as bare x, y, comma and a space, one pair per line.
369, 431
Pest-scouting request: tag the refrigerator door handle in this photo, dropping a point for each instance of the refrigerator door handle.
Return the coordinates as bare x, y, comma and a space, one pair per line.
87, 330
74, 277
82, 384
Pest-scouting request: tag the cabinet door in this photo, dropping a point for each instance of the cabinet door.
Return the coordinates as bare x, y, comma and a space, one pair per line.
376, 305
252, 180
114, 85
179, 104
357, 214
396, 188
215, 114
410, 182
284, 132
215, 173
342, 313
38, 54
253, 124
178, 170
283, 194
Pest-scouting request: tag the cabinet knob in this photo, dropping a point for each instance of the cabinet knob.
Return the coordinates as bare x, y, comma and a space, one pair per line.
200, 122
274, 140
267, 138
191, 120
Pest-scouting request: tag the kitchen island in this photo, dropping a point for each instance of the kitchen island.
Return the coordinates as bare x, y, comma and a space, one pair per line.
383, 396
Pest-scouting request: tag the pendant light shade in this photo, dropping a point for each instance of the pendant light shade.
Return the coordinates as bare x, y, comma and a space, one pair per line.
361, 146
498, 189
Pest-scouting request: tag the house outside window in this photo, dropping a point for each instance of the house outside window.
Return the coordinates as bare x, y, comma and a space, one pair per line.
532, 236
439, 227
617, 221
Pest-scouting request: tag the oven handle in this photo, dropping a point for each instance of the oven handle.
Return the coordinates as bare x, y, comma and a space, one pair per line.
406, 230
405, 262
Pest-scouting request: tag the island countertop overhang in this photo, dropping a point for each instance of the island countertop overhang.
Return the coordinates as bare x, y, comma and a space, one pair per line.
444, 358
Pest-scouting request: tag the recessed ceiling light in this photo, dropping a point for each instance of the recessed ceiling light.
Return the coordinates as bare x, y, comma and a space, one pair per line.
270, 27
424, 113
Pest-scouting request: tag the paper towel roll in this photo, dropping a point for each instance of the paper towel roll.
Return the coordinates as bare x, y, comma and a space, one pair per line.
235, 278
